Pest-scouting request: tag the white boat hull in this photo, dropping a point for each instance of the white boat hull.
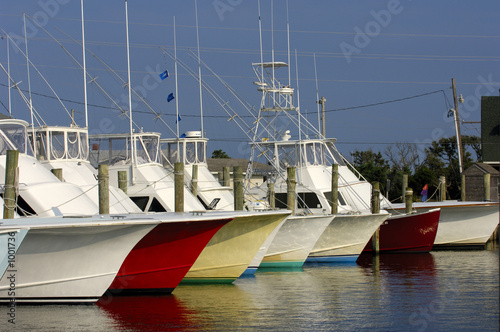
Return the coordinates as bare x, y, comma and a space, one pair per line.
463, 223
346, 237
69, 264
295, 240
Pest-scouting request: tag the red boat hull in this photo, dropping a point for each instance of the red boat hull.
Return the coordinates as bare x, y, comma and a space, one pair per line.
408, 233
162, 258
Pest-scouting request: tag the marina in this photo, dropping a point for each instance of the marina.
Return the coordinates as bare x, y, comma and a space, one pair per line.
445, 290
116, 218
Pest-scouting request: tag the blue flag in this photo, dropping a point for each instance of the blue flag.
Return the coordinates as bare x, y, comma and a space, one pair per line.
170, 97
178, 118
164, 75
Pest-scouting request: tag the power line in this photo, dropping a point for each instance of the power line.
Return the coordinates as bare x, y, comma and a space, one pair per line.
245, 116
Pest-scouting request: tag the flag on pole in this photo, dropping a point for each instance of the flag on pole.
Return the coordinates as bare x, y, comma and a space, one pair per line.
164, 75
178, 118
424, 193
170, 97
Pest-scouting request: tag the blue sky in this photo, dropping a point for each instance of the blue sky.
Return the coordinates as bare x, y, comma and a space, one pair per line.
367, 52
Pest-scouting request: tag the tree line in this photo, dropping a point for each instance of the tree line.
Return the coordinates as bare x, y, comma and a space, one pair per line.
439, 159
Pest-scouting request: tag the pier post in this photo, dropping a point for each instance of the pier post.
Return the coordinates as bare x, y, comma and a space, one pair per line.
103, 177
403, 187
9, 197
409, 200
486, 184
290, 189
271, 194
238, 188
376, 209
58, 172
442, 188
122, 181
194, 181
179, 186
226, 176
462, 187
335, 189
221, 178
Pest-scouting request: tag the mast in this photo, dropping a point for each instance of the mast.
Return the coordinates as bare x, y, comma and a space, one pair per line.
317, 90
457, 125
176, 96
29, 86
132, 140
199, 66
288, 42
84, 70
8, 78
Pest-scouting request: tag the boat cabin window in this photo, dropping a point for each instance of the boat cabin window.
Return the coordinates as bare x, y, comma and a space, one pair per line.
190, 152
287, 155
57, 144
328, 196
148, 149
141, 201
13, 136
186, 151
304, 201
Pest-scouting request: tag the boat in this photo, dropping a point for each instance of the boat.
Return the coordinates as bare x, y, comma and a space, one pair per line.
190, 149
67, 148
35, 180
461, 224
396, 234
149, 184
69, 259
345, 236
232, 249
160, 260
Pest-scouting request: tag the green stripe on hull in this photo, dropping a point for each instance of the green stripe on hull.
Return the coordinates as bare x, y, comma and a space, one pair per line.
199, 281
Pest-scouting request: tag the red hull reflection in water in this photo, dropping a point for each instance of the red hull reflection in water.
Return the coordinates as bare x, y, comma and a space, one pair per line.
154, 313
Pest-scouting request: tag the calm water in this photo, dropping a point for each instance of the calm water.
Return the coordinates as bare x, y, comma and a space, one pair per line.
415, 292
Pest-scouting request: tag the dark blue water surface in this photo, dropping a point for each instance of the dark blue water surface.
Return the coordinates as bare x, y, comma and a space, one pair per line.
449, 290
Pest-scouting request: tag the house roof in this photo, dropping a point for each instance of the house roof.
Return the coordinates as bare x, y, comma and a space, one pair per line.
217, 164
483, 168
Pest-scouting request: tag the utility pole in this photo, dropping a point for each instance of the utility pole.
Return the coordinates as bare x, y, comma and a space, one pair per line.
457, 125
322, 102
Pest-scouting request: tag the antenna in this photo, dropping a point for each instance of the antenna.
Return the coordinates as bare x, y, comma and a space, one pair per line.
176, 88
272, 43
199, 66
29, 86
288, 40
84, 70
132, 140
8, 78
260, 40
317, 90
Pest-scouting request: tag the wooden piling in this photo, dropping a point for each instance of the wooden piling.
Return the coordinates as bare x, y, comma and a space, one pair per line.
486, 185
409, 200
58, 172
403, 187
103, 177
375, 197
238, 188
271, 194
179, 186
122, 181
226, 176
335, 189
9, 197
194, 181
442, 188
290, 191
376, 209
462, 187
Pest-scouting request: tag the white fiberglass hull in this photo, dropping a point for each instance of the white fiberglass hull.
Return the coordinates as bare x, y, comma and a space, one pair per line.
346, 237
295, 240
462, 223
254, 265
70, 261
